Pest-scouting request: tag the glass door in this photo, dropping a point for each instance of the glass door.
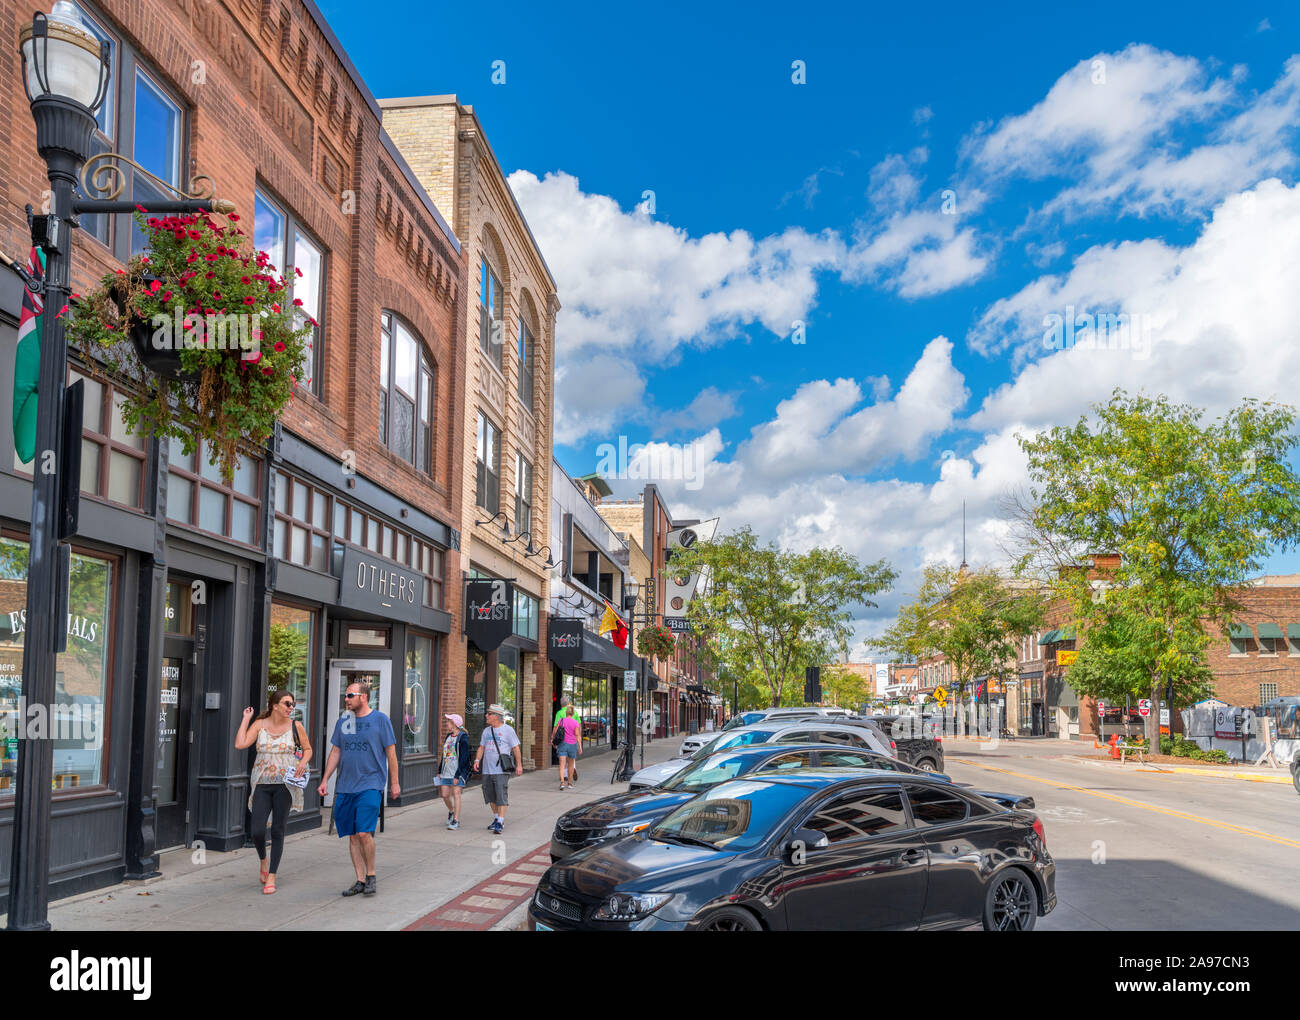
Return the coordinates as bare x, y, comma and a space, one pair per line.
342, 672
173, 765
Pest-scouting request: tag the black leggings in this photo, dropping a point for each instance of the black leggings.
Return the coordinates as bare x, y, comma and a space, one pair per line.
275, 800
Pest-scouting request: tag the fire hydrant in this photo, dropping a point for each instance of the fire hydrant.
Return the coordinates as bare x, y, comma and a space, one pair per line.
1114, 745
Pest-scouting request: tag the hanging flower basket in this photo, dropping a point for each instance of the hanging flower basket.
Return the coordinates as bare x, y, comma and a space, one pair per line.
202, 327
656, 641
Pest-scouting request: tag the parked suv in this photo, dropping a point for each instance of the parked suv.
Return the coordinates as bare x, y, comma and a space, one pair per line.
915, 742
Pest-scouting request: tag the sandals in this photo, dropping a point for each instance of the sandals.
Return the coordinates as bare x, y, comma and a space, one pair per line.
265, 875
269, 888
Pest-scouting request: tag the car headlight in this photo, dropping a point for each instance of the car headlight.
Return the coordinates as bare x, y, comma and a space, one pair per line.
626, 830
631, 907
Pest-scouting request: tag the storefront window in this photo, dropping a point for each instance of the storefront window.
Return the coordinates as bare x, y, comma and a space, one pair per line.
290, 659
590, 695
525, 623
419, 694
508, 682
475, 694
75, 722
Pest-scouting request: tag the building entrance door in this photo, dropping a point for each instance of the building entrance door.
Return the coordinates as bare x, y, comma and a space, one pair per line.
378, 673
175, 743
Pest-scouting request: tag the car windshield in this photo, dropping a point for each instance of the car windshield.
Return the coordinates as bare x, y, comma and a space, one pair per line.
732, 739
748, 719
710, 770
737, 815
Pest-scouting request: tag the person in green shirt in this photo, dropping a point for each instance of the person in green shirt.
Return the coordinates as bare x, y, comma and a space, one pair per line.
565, 702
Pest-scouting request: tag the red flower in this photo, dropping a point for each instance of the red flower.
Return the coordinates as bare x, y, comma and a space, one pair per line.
209, 311
209, 276
249, 300
245, 281
195, 234
120, 272
62, 312
297, 302
154, 286
192, 257
142, 209
255, 357
151, 221
279, 346
297, 270
167, 296
216, 295
180, 235
274, 308
233, 216
268, 370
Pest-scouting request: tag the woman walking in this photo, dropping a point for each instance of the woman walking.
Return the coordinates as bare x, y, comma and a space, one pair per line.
454, 767
570, 733
283, 754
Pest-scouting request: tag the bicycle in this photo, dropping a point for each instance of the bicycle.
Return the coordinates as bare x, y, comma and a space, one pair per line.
622, 764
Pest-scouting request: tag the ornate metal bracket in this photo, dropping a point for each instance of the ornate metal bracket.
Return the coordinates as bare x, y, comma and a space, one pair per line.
103, 177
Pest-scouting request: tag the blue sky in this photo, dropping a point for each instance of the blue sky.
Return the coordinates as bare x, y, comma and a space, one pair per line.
946, 178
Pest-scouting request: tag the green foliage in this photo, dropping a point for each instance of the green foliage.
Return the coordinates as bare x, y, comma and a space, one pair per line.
287, 651
656, 641
771, 613
195, 272
1191, 509
975, 619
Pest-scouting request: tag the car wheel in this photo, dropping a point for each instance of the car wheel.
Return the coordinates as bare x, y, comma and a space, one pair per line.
1295, 778
926, 765
1011, 904
730, 919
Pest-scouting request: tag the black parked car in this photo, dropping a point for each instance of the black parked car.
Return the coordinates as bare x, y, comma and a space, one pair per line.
916, 742
623, 814
836, 850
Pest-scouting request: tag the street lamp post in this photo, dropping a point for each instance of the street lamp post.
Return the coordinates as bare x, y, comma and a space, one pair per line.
66, 73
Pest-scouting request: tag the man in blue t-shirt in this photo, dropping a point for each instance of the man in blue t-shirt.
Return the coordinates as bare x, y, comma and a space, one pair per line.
363, 747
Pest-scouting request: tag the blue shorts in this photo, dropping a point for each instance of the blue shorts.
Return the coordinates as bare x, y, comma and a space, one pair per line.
357, 812
569, 750
443, 781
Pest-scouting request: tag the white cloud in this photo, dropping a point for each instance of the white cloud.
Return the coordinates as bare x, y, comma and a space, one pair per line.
1133, 130
709, 407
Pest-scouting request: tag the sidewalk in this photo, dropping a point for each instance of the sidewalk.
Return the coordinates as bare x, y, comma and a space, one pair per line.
420, 866
1260, 775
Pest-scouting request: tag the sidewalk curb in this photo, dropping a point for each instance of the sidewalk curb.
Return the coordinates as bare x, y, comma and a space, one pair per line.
1244, 777
515, 920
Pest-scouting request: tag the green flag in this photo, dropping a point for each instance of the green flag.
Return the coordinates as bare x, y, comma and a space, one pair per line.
27, 363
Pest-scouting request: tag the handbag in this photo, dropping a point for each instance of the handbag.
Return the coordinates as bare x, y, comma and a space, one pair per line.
557, 737
506, 764
290, 779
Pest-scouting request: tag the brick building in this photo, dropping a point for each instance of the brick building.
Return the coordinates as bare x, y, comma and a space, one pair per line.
186, 591
506, 402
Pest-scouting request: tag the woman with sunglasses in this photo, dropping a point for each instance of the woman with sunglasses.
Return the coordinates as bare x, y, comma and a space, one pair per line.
282, 751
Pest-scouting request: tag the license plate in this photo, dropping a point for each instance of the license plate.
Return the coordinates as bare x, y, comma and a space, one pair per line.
542, 927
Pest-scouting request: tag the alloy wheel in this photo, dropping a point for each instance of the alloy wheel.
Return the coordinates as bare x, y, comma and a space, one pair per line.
1012, 906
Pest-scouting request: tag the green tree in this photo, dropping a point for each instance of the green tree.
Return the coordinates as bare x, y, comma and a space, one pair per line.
772, 612
974, 618
287, 652
1189, 507
845, 688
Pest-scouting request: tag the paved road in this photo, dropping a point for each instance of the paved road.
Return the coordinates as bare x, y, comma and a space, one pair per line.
1140, 850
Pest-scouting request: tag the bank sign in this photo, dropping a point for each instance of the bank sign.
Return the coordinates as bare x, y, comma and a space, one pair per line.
380, 586
489, 612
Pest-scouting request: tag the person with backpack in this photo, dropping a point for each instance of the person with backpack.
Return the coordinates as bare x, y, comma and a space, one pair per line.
567, 740
454, 767
278, 778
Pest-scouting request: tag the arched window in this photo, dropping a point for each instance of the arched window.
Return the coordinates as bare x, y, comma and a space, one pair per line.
406, 394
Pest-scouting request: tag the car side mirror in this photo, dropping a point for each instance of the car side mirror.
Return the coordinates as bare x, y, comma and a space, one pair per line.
803, 840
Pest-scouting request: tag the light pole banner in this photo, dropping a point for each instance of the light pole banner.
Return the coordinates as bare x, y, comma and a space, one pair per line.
679, 588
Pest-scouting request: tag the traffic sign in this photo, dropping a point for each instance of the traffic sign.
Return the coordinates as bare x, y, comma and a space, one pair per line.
1101, 708
941, 696
1144, 708
629, 679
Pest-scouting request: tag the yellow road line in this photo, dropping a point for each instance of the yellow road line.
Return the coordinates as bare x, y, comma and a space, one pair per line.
1226, 826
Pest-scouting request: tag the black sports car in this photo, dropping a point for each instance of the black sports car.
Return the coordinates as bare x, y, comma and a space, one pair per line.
622, 814
834, 850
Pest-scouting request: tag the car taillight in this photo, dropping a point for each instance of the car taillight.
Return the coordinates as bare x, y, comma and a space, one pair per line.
1038, 831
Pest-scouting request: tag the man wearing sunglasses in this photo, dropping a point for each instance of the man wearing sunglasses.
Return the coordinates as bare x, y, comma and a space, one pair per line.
363, 748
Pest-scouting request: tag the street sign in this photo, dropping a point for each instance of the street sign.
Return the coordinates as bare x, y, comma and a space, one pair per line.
941, 696
1144, 708
1101, 708
629, 679
1065, 656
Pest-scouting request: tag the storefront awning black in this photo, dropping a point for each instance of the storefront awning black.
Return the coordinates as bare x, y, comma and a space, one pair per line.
580, 647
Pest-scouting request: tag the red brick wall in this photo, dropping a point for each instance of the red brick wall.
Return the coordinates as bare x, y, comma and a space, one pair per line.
270, 104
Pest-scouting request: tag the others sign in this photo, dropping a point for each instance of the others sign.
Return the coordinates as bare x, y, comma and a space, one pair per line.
380, 586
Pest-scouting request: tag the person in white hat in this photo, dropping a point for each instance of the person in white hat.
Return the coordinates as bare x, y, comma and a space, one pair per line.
454, 767
502, 757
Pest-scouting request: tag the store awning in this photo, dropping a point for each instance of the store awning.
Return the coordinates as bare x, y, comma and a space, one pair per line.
1293, 631
1240, 630
1269, 630
1049, 637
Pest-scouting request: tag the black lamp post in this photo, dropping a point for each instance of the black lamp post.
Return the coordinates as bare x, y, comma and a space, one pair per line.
65, 74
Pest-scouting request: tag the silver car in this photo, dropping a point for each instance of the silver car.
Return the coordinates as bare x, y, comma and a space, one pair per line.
807, 730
